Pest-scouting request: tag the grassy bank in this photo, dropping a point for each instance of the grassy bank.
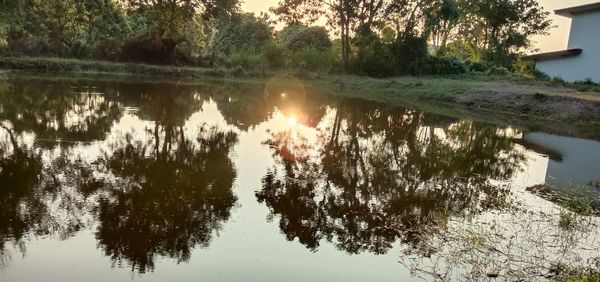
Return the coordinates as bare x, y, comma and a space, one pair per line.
61, 65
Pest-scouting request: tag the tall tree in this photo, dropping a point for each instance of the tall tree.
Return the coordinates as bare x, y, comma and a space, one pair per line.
442, 19
344, 16
169, 19
63, 27
502, 27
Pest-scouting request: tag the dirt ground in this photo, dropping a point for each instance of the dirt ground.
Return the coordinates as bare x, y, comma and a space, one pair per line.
542, 100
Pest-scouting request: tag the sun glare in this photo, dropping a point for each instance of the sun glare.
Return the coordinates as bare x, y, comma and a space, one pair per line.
292, 121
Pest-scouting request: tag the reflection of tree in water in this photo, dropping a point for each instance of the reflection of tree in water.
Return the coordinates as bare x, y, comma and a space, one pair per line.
163, 103
19, 170
169, 189
247, 105
30, 184
58, 111
161, 195
376, 176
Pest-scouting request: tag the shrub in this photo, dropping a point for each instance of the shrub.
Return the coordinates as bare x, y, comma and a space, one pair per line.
443, 66
540, 96
313, 37
241, 32
3, 42
478, 66
559, 80
152, 50
527, 69
108, 49
498, 71
373, 56
313, 59
246, 60
411, 54
586, 85
274, 55
286, 35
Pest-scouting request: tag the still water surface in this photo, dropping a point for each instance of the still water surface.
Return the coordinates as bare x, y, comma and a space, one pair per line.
161, 181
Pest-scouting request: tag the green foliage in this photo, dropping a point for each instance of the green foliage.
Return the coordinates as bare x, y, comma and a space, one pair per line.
274, 55
312, 59
440, 21
527, 69
373, 57
498, 71
567, 220
411, 55
595, 277
242, 32
540, 96
313, 37
505, 26
390, 38
559, 80
172, 18
464, 50
64, 27
246, 59
407, 55
443, 66
586, 85
478, 66
286, 35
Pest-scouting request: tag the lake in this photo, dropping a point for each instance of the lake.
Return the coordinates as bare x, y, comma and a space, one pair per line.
154, 180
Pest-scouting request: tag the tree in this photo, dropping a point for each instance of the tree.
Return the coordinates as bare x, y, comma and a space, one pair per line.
169, 19
64, 27
441, 21
503, 27
342, 15
311, 37
241, 32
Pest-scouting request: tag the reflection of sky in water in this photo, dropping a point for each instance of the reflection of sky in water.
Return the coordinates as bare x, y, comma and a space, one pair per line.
249, 247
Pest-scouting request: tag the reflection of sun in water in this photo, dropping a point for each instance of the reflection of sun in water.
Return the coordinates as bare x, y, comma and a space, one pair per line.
292, 121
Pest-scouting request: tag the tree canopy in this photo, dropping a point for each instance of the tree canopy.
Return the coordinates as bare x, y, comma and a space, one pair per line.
372, 37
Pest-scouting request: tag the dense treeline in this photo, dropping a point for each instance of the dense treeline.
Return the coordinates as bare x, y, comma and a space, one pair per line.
373, 37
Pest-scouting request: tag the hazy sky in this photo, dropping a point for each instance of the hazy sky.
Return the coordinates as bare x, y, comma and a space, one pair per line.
555, 41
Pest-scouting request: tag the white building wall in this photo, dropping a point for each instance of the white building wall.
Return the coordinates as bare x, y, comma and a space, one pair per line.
585, 34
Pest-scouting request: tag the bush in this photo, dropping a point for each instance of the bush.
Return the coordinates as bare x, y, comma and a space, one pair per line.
313, 59
375, 59
444, 66
586, 85
478, 66
559, 80
286, 35
411, 54
241, 32
498, 71
312, 37
3, 42
274, 55
527, 69
153, 50
246, 60
109, 50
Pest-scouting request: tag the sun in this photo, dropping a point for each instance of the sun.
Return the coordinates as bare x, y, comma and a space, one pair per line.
292, 122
